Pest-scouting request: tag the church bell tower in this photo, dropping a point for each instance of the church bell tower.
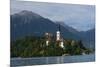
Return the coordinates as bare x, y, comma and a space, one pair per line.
58, 36
59, 39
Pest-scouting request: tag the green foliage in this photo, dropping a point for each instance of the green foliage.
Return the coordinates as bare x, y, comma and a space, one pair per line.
31, 46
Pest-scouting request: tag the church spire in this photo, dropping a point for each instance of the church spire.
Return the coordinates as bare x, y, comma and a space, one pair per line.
59, 27
58, 33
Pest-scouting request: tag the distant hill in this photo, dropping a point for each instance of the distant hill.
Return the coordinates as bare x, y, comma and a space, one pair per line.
88, 37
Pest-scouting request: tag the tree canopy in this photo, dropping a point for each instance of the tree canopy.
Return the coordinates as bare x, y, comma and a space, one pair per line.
32, 46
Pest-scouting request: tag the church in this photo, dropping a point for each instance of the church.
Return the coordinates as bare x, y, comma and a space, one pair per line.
59, 38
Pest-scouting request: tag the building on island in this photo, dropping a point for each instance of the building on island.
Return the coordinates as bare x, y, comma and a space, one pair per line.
59, 38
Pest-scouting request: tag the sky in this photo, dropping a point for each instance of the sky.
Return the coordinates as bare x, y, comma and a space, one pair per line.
80, 17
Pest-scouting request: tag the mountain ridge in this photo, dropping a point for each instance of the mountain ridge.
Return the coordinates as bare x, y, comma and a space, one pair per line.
27, 23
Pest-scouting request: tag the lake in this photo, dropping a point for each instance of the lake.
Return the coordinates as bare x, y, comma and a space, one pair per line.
51, 60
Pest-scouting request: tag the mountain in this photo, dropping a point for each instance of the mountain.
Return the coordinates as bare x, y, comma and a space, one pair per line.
68, 27
27, 23
88, 37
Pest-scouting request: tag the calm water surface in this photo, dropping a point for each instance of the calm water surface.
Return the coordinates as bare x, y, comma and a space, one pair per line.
51, 60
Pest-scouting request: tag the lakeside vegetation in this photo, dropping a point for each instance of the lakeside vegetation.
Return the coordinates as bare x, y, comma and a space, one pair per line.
32, 46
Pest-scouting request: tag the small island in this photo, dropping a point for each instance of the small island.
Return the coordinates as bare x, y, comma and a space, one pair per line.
47, 45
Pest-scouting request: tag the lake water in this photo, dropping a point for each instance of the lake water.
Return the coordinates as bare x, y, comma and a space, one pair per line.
51, 60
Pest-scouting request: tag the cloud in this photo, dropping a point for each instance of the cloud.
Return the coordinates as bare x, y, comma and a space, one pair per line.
81, 17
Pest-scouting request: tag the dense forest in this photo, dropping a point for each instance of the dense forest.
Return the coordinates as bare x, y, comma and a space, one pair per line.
34, 46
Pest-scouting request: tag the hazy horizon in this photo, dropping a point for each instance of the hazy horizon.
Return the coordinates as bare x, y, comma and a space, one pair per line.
80, 17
